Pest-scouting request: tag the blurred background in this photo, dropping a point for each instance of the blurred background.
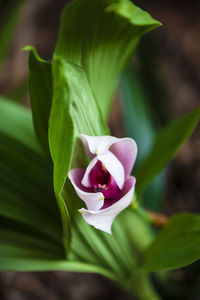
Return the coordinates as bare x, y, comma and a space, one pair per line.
161, 82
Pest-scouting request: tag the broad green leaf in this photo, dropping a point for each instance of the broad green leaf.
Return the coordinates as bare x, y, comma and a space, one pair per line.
101, 36
166, 146
177, 245
8, 28
40, 89
74, 111
30, 225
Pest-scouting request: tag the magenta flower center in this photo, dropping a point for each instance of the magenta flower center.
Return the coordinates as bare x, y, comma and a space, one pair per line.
99, 177
102, 181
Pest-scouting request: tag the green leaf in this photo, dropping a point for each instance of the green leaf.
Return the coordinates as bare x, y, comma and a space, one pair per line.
74, 111
30, 225
177, 245
35, 264
40, 89
8, 28
86, 65
101, 36
166, 146
16, 122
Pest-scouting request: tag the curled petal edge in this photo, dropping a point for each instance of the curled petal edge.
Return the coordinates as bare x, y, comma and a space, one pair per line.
97, 144
125, 149
85, 180
103, 219
93, 201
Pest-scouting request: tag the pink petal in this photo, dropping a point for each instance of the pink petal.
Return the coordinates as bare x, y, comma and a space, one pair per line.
126, 151
93, 201
103, 219
114, 167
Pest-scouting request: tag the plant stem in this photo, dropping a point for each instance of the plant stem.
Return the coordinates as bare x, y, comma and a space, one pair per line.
141, 287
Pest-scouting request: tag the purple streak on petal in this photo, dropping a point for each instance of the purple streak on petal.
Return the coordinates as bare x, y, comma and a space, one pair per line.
125, 150
108, 202
76, 175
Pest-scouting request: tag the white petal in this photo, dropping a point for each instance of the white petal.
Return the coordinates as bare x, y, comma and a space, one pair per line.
114, 167
103, 219
93, 201
97, 144
124, 149
86, 181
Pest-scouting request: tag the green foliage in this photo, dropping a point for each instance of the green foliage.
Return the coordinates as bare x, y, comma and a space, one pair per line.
166, 146
177, 245
80, 70
41, 91
101, 36
30, 225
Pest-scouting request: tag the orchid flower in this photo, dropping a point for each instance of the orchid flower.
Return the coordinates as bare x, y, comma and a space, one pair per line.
105, 185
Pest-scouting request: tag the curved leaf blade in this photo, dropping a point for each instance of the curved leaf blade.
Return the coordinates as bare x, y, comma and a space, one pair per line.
74, 111
41, 92
101, 36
